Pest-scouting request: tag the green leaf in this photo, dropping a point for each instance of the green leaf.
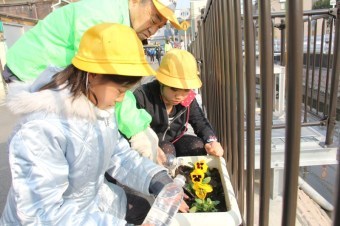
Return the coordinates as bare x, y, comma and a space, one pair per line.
206, 180
199, 201
193, 209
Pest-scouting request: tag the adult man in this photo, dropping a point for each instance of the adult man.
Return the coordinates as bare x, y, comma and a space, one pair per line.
55, 40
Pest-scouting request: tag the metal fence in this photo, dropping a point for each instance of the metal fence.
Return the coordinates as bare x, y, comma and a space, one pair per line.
230, 96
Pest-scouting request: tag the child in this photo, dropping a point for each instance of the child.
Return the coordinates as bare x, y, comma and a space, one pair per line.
171, 103
68, 137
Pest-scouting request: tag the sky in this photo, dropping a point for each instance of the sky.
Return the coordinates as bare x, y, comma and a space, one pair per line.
183, 4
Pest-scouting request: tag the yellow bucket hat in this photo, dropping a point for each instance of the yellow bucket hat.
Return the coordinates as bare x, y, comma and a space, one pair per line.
167, 9
110, 48
178, 69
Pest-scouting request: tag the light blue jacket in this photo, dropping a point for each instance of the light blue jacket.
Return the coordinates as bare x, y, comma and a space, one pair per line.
58, 155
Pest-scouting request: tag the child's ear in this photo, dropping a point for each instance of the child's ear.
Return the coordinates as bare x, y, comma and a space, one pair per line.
92, 76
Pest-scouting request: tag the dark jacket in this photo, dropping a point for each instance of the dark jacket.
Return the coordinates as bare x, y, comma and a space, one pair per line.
148, 97
158, 53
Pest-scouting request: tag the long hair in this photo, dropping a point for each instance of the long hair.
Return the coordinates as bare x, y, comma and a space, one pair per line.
77, 81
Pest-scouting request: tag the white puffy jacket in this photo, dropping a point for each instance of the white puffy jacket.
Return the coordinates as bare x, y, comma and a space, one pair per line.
58, 155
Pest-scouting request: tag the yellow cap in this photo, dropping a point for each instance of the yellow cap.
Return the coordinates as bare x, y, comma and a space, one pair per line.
167, 9
110, 48
178, 69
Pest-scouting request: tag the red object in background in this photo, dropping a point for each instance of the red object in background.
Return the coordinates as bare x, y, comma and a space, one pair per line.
187, 101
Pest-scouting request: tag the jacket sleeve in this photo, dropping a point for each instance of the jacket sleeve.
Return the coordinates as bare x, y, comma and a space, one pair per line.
40, 178
131, 120
130, 169
140, 97
200, 123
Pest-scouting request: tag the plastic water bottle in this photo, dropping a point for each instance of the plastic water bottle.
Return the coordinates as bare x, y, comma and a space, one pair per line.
167, 203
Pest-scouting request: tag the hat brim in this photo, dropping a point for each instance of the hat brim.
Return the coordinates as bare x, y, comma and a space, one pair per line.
119, 68
177, 82
168, 14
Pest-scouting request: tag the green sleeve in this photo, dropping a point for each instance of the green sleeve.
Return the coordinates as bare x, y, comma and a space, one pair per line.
131, 120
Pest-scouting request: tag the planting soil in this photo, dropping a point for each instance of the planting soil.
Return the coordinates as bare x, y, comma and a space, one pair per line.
216, 195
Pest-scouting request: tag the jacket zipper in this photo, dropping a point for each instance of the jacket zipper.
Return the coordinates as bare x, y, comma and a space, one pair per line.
169, 123
107, 122
107, 119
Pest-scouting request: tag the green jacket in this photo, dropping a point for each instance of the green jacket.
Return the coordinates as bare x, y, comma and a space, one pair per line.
55, 40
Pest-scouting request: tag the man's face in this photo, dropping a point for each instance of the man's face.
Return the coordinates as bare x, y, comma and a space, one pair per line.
144, 17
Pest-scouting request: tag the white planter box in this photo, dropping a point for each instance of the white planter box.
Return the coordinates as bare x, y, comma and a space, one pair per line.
228, 218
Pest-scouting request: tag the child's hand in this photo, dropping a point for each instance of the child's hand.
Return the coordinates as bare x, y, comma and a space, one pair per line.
214, 148
161, 157
184, 208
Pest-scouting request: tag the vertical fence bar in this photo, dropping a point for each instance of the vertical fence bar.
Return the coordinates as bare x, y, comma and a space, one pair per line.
240, 104
223, 79
212, 69
208, 62
313, 70
320, 66
218, 74
283, 41
325, 112
204, 66
226, 47
212, 66
203, 74
307, 69
266, 76
233, 100
249, 50
293, 121
223, 71
335, 80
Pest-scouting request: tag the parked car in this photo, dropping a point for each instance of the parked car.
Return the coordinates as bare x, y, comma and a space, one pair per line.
318, 41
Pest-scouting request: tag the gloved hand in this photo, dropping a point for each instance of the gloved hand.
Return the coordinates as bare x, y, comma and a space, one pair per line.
146, 143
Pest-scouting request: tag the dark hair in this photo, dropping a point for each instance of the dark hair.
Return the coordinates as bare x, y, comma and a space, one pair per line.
75, 79
162, 86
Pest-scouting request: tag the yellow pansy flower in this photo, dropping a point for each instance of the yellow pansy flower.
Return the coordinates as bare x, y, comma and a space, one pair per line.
201, 190
197, 176
201, 165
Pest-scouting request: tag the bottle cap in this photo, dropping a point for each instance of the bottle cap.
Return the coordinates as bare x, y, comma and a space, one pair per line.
180, 179
171, 161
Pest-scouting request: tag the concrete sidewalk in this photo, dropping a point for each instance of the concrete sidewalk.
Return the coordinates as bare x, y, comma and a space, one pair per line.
7, 122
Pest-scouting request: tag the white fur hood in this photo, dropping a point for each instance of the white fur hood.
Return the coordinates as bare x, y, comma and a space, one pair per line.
21, 100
